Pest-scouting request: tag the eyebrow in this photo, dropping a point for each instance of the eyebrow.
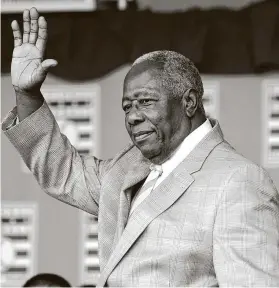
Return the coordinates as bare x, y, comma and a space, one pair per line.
153, 92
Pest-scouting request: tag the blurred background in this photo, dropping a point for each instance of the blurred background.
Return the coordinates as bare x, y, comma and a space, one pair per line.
235, 45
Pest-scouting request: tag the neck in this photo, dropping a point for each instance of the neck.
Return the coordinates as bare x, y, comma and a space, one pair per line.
198, 119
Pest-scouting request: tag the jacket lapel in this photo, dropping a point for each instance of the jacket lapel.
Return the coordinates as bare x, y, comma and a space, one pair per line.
114, 203
159, 200
135, 176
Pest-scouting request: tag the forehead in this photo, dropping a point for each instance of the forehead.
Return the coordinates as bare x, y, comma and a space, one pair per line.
143, 76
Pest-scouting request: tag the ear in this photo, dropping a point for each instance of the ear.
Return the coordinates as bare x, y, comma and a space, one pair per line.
190, 102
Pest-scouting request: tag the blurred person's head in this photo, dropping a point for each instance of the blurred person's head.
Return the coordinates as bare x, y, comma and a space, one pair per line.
162, 101
47, 280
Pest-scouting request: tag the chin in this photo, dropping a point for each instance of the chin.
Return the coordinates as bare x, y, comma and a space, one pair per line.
148, 152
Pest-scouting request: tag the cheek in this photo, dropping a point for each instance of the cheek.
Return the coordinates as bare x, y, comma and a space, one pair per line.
155, 118
175, 118
162, 124
166, 131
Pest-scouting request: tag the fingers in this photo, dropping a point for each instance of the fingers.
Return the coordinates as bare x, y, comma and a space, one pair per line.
26, 26
34, 29
34, 15
42, 35
16, 33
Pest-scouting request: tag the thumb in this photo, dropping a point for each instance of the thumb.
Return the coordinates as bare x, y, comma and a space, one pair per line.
48, 64
42, 70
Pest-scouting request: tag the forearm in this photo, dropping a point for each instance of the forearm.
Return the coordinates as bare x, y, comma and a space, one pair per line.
28, 103
58, 168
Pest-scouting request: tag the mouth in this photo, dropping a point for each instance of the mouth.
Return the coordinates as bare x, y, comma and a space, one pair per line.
139, 136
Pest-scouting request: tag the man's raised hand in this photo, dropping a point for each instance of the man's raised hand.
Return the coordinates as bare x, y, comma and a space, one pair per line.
28, 70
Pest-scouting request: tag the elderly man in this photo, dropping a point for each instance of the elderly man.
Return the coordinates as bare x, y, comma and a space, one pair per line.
179, 206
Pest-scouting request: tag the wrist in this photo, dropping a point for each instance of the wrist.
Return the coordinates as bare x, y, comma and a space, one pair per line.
27, 103
32, 93
29, 96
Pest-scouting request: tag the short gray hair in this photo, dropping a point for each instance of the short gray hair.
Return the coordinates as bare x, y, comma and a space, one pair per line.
178, 73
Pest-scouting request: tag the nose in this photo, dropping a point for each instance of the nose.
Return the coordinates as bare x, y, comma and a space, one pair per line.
134, 117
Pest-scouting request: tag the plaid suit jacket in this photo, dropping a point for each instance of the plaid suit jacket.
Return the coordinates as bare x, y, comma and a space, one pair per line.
213, 221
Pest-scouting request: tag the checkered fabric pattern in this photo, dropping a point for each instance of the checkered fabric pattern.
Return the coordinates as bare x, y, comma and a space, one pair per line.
214, 221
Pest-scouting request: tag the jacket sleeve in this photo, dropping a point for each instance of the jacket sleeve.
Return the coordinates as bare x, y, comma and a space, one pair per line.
57, 166
246, 231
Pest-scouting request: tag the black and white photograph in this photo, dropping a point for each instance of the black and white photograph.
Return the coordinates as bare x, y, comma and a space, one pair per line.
139, 143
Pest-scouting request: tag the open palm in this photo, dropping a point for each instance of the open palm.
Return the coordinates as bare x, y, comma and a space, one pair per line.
28, 70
